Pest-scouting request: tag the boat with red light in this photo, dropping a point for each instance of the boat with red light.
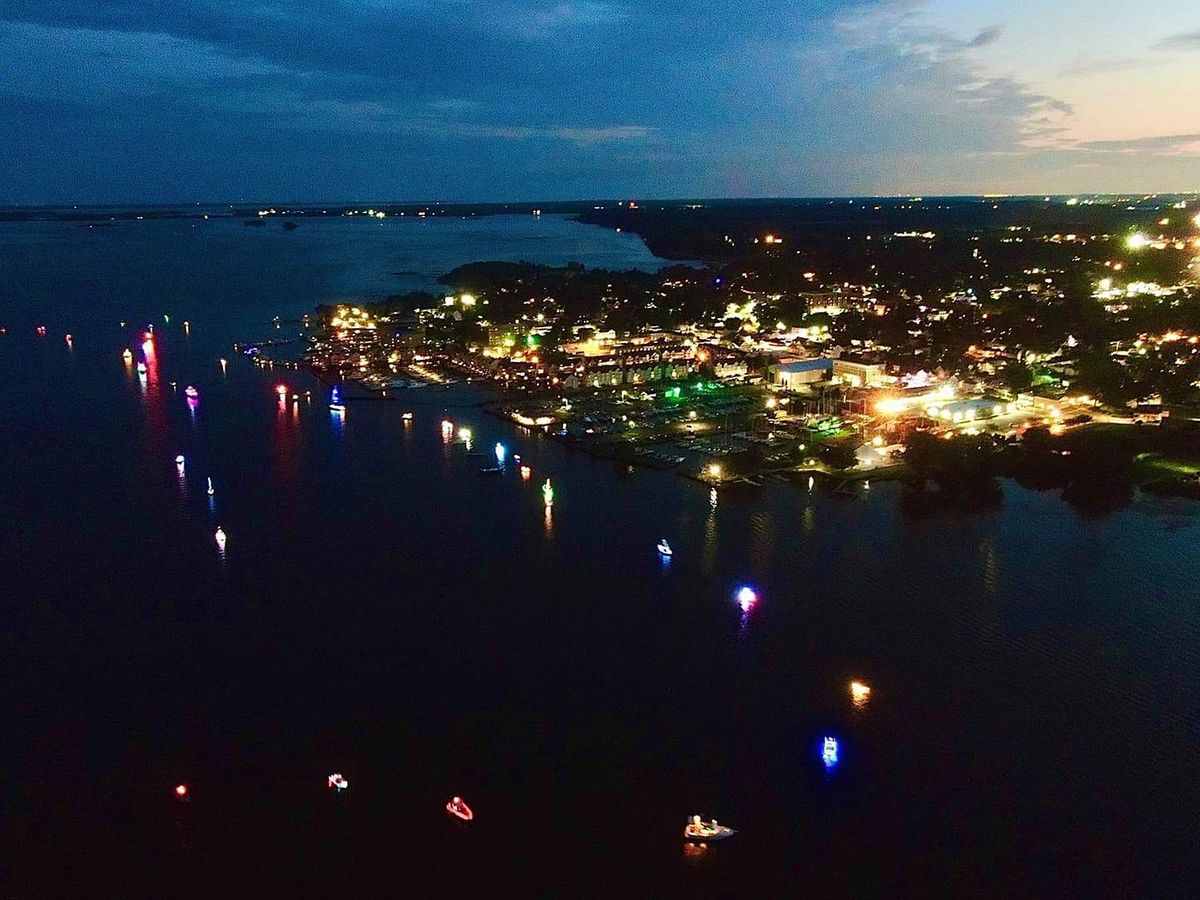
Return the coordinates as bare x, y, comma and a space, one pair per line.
458, 808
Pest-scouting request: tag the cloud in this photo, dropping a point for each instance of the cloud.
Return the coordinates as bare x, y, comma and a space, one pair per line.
986, 36
1185, 40
1157, 145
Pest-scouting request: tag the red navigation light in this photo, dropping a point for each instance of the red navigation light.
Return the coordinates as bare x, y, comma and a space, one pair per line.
181, 791
281, 390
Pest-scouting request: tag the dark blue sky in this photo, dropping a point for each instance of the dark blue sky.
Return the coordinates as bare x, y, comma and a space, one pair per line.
134, 100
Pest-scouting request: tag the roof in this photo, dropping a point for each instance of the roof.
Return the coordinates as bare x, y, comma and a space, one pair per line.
806, 365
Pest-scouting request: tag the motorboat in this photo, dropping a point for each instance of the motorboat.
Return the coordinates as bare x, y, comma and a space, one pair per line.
490, 470
458, 808
220, 538
407, 417
210, 488
335, 400
664, 548
191, 391
127, 355
141, 368
699, 830
829, 752
337, 782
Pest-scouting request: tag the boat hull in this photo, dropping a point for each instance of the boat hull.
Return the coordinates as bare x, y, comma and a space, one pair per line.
719, 833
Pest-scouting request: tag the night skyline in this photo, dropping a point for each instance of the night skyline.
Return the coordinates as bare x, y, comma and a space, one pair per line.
160, 102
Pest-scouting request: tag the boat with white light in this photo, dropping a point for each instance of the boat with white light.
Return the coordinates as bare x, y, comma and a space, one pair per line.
335, 400
337, 782
191, 391
699, 830
664, 548
210, 488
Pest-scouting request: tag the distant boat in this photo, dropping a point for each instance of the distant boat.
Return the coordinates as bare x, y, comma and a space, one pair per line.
127, 355
210, 488
490, 470
664, 548
407, 417
699, 830
337, 782
458, 808
191, 391
220, 536
829, 752
335, 400
141, 367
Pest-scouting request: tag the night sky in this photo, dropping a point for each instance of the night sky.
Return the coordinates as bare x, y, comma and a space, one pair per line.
182, 100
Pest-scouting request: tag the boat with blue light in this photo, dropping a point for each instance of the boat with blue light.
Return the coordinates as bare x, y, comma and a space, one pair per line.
664, 548
335, 400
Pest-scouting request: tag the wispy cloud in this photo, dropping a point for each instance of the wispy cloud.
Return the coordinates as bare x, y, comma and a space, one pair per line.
986, 36
1157, 145
1185, 40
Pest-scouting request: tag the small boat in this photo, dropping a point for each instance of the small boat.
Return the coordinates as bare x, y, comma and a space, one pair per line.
210, 488
127, 355
664, 548
220, 536
337, 782
335, 400
458, 808
407, 417
141, 368
699, 830
490, 470
191, 391
829, 752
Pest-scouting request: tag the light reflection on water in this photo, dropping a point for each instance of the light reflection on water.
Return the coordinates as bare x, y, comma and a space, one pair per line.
979, 629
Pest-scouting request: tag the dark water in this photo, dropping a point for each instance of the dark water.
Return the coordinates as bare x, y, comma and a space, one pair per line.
385, 611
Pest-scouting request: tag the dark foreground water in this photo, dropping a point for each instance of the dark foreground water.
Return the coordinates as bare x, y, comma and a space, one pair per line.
385, 611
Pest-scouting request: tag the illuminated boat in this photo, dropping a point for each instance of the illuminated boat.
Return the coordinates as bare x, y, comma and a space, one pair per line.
141, 368
337, 782
335, 400
127, 355
191, 391
220, 538
664, 548
407, 417
458, 808
210, 488
829, 752
490, 470
699, 830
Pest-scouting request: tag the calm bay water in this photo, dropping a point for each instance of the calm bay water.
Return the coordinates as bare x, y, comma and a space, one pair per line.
385, 611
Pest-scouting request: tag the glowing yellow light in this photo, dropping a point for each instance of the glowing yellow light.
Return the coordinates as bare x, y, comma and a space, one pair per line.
771, 403
467, 300
714, 470
877, 441
859, 693
1137, 241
